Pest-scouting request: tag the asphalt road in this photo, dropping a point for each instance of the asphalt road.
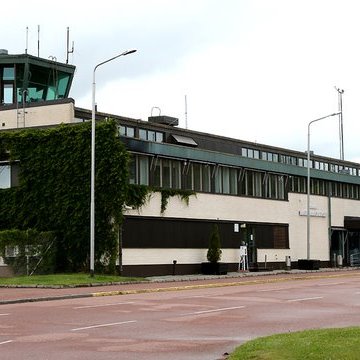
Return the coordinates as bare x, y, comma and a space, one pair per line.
195, 324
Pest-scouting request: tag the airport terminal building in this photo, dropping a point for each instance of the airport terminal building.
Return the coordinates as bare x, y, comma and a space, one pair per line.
255, 193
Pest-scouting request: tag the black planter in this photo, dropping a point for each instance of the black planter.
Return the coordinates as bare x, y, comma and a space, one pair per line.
306, 264
208, 268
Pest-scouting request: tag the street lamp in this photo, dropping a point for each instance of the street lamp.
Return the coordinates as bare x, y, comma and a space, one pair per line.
92, 201
308, 184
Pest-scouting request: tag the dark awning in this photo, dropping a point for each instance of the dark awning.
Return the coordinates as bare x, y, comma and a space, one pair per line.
184, 140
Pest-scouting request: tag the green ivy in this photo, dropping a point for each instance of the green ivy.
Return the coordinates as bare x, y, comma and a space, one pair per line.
138, 195
54, 190
184, 195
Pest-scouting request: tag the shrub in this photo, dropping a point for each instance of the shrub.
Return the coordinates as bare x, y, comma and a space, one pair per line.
214, 252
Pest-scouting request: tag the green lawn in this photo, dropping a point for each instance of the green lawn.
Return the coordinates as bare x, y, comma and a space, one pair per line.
65, 279
323, 344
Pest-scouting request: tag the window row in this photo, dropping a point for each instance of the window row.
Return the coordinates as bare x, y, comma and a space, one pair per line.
143, 134
200, 177
156, 136
292, 160
217, 179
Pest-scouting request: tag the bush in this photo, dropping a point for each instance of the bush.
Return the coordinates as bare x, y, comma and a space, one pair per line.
214, 252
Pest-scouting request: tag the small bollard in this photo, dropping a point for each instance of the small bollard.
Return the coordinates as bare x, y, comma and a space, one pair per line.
288, 262
174, 264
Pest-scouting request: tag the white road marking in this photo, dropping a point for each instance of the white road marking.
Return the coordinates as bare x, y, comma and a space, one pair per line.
6, 342
215, 310
277, 289
104, 325
306, 299
4, 314
337, 283
94, 306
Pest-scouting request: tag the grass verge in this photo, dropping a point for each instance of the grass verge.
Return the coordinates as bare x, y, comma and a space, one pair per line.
65, 280
311, 345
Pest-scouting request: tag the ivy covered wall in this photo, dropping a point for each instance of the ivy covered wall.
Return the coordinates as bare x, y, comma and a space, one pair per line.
54, 190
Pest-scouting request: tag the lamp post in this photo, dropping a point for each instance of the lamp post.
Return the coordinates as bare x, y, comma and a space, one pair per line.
92, 200
308, 185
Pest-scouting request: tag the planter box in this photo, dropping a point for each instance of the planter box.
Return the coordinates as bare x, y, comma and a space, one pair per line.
305, 264
208, 268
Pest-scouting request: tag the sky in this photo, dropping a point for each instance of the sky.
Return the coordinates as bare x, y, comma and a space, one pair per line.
255, 70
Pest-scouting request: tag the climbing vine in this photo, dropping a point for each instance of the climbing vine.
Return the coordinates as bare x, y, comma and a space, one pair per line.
139, 194
54, 189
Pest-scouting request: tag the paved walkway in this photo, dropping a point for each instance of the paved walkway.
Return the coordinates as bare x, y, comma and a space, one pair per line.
13, 294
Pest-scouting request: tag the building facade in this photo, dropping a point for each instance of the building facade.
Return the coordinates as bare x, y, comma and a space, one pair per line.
255, 193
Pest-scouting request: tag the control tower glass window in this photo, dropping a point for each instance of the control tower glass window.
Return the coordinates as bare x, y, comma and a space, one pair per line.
46, 84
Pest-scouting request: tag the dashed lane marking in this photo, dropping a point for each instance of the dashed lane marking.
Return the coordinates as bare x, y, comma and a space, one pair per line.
103, 325
6, 342
214, 310
306, 299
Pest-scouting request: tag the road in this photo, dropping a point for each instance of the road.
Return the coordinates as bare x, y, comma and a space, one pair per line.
192, 324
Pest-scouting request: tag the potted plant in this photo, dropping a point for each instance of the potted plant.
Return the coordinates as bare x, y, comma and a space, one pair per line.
213, 266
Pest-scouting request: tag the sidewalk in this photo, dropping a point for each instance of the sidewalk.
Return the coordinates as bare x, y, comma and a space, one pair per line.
11, 295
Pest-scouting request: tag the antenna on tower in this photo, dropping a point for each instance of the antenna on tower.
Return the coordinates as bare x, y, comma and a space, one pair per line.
186, 123
27, 39
67, 46
38, 40
341, 126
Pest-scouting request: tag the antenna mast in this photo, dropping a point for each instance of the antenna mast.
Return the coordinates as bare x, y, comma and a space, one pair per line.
67, 46
27, 39
341, 126
38, 40
186, 122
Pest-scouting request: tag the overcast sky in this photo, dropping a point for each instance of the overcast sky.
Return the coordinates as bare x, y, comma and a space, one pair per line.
256, 70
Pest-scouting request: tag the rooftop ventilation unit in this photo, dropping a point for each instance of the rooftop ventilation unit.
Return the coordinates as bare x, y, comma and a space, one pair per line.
3, 52
165, 120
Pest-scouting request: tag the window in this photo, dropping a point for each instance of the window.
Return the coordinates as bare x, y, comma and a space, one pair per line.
206, 178
217, 180
271, 236
187, 174
233, 181
132, 171
175, 174
166, 173
126, 131
5, 176
225, 180
151, 135
8, 93
8, 73
143, 168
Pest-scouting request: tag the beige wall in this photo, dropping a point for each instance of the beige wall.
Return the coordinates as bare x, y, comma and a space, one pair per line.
341, 208
242, 209
38, 116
